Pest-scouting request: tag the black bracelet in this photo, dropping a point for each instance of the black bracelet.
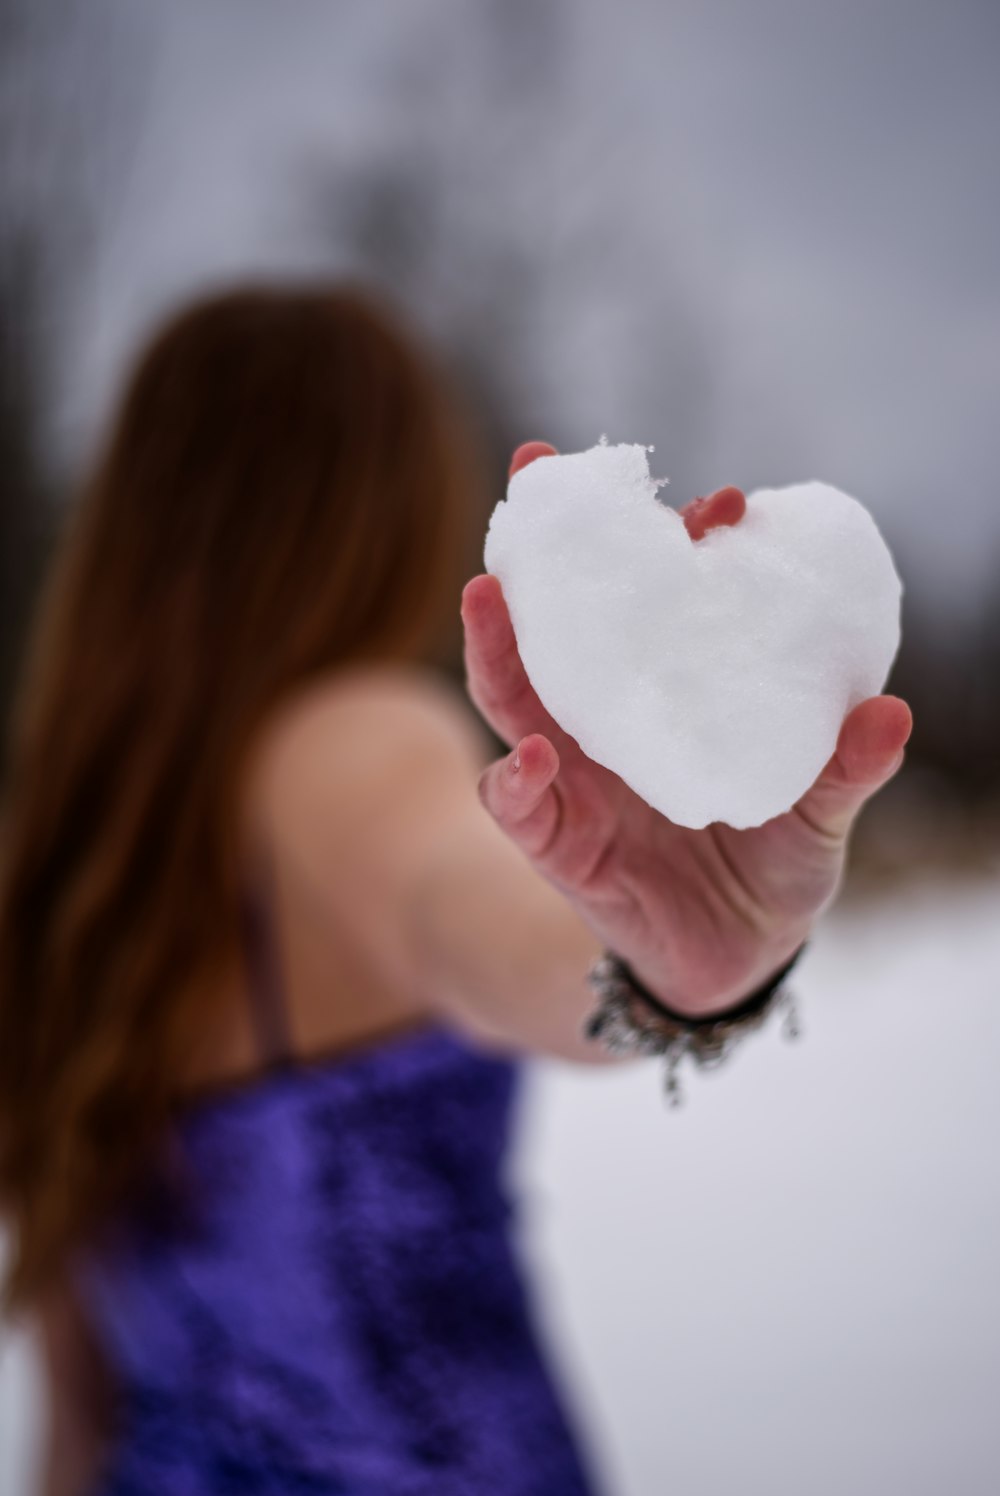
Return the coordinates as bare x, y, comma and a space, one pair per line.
629, 1019
743, 1009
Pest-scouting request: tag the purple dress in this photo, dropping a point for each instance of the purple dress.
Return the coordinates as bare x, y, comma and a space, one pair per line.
324, 1298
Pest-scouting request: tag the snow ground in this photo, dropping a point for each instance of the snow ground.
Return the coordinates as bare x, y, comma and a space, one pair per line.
789, 1285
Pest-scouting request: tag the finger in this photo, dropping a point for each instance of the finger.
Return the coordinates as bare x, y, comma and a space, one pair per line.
726, 506
527, 452
869, 751
495, 677
518, 792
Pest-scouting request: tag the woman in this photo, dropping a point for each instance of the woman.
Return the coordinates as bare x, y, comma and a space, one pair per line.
265, 956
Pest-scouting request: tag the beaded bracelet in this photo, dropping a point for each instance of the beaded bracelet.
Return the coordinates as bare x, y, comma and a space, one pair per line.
629, 1019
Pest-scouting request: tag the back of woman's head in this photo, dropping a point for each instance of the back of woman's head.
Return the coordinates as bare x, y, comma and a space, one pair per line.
283, 493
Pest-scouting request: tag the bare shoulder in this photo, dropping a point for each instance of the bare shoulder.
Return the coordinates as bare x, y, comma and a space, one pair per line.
406, 703
367, 746
368, 719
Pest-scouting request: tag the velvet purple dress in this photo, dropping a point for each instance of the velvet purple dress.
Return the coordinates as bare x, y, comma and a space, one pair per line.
319, 1293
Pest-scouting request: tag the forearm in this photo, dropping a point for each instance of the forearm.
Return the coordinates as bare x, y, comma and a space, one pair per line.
498, 949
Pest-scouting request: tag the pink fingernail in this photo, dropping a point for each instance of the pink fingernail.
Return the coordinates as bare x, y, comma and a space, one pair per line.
517, 760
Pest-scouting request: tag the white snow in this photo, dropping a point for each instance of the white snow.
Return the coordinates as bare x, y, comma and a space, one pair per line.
789, 1286
712, 676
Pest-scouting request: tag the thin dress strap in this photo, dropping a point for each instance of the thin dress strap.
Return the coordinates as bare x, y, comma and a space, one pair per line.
265, 988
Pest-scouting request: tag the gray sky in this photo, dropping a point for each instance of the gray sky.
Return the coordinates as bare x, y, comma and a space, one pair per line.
764, 237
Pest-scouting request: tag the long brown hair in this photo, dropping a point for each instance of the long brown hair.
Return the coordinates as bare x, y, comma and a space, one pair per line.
284, 492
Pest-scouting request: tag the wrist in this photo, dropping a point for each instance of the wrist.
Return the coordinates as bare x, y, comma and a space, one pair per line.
760, 981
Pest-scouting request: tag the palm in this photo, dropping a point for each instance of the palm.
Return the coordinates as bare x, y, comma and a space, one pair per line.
700, 915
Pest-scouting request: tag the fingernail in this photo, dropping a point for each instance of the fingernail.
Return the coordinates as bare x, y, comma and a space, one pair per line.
517, 760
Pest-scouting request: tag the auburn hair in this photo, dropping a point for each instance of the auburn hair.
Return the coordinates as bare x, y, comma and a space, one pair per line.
286, 491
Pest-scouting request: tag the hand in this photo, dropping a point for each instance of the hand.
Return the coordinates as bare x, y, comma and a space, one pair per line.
702, 917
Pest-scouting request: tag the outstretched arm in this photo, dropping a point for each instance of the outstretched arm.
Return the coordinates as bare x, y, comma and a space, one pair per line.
484, 890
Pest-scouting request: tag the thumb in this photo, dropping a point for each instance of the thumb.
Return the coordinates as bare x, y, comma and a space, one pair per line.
869, 751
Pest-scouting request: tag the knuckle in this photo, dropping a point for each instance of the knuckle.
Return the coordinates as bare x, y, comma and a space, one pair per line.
484, 789
492, 794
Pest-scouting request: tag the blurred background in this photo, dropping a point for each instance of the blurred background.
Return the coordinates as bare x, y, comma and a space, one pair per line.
764, 237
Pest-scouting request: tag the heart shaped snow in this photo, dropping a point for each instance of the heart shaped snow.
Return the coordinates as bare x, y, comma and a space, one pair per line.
713, 676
